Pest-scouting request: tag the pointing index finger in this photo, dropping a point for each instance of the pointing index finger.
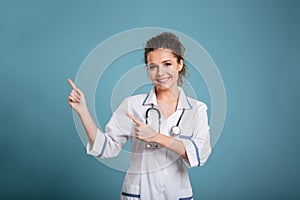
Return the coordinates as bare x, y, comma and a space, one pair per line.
72, 84
135, 120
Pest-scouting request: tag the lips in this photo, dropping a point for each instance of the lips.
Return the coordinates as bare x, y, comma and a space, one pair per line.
162, 80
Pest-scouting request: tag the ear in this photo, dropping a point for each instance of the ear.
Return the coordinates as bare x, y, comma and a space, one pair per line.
180, 65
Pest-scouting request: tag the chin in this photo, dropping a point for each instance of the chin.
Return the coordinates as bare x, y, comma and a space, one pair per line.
162, 87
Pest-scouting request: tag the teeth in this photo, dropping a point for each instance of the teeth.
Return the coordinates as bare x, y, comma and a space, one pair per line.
162, 80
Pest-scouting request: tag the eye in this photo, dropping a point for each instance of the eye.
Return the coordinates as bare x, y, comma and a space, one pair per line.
151, 67
167, 64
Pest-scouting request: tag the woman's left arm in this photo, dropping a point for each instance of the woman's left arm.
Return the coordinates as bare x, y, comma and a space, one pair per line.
195, 150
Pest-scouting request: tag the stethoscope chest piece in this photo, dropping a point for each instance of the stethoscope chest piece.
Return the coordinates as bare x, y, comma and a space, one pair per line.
175, 130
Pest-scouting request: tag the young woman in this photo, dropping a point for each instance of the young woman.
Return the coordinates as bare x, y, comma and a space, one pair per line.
160, 152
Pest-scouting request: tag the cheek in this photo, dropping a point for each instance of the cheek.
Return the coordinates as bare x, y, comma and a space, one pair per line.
172, 72
151, 75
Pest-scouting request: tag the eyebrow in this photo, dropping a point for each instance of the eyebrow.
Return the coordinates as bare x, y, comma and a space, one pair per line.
162, 62
152, 64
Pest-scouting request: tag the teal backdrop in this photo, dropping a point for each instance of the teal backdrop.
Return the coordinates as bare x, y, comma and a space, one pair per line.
255, 45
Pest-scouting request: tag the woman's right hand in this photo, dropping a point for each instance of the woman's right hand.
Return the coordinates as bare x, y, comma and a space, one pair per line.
76, 98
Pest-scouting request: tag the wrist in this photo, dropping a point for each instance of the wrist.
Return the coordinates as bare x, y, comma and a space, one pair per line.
163, 140
83, 112
157, 138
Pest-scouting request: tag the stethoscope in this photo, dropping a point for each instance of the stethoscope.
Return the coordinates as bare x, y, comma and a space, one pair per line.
175, 130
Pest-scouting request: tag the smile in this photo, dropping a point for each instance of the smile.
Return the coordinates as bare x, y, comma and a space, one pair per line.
163, 80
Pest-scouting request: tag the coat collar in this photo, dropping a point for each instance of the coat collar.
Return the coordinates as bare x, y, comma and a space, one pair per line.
183, 102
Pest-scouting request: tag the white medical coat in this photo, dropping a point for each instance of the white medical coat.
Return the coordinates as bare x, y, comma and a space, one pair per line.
156, 173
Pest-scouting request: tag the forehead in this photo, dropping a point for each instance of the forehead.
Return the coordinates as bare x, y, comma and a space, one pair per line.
159, 55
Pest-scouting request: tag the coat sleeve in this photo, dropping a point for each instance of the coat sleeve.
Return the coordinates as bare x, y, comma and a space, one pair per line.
198, 146
117, 131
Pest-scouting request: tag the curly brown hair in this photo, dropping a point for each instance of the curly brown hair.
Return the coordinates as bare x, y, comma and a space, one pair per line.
167, 40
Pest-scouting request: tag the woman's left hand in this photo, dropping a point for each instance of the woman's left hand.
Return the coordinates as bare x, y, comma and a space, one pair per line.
143, 131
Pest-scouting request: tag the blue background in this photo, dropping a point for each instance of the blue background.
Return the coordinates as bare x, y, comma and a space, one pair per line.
255, 45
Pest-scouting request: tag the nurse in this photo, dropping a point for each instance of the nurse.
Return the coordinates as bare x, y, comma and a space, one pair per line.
161, 148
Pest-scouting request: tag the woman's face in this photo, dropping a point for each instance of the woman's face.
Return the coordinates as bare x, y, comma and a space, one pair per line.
163, 68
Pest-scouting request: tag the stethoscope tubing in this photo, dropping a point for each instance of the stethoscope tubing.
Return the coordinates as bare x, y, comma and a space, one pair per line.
159, 117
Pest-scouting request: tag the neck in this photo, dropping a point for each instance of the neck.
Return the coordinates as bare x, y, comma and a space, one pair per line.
169, 95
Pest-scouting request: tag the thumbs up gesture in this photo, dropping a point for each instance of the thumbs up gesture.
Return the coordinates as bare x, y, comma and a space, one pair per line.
76, 98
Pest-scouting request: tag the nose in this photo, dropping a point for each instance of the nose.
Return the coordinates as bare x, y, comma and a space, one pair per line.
160, 70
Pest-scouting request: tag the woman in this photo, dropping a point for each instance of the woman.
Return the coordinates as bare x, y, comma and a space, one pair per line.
159, 153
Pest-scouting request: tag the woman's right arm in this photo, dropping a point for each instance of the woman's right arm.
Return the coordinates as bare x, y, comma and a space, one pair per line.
77, 101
